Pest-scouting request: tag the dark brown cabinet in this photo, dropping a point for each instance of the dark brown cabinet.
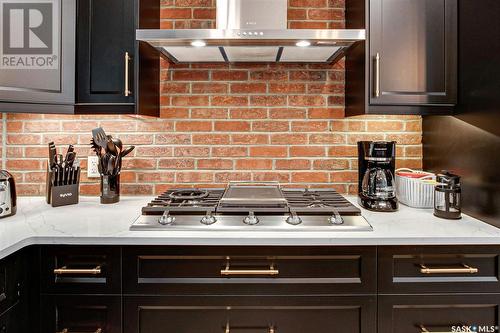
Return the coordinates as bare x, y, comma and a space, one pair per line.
438, 269
115, 74
205, 289
106, 53
264, 270
413, 48
96, 314
98, 68
12, 281
250, 314
408, 64
80, 270
444, 313
15, 290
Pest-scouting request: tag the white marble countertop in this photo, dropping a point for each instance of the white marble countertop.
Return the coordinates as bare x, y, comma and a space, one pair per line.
90, 223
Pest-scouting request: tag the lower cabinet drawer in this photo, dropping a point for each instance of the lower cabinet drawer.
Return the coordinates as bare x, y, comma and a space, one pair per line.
438, 269
81, 269
249, 314
429, 313
72, 313
249, 270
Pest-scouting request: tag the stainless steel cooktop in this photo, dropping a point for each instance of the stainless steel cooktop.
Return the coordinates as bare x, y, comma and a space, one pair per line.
260, 207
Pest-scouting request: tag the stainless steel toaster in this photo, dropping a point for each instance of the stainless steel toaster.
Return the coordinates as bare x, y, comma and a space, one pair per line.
8, 197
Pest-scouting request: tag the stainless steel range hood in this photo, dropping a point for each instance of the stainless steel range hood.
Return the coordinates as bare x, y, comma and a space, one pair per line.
252, 31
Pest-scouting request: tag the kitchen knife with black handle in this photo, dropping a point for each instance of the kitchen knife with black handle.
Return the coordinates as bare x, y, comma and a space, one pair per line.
69, 152
52, 154
55, 176
76, 175
70, 158
66, 175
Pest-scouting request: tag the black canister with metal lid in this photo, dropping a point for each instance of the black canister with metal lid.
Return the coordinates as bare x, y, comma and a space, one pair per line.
447, 196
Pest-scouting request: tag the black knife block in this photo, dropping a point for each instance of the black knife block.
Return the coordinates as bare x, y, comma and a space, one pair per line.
62, 195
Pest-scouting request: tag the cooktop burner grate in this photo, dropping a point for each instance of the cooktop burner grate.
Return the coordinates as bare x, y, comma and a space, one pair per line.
317, 201
197, 201
201, 201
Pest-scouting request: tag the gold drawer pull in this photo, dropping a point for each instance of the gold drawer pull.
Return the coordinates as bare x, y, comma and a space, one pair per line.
271, 329
65, 330
64, 271
228, 271
423, 329
465, 269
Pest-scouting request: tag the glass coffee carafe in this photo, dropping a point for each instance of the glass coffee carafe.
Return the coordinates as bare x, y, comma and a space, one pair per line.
378, 182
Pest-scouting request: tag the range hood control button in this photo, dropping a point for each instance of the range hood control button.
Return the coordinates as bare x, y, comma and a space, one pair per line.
166, 219
251, 219
208, 219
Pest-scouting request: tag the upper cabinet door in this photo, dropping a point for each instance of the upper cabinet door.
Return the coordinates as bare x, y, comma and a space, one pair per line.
413, 52
105, 51
37, 51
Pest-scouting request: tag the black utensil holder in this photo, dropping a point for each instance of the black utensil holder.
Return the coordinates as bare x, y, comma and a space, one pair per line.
62, 195
110, 189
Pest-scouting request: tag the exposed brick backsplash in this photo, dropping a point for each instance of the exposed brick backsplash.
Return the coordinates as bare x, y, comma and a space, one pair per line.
249, 122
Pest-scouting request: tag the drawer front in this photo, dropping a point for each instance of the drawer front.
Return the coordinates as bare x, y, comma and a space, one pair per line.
250, 314
70, 313
245, 270
419, 314
439, 269
81, 270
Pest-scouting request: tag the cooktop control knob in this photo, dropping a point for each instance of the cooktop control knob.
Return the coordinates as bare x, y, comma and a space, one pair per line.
208, 219
336, 219
293, 219
166, 219
251, 219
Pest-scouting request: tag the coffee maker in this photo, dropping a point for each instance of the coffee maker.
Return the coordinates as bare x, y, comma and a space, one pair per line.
376, 166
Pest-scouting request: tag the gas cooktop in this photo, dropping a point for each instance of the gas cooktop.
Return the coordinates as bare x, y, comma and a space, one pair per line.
261, 207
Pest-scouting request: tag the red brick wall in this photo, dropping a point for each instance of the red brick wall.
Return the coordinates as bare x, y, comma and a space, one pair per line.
251, 122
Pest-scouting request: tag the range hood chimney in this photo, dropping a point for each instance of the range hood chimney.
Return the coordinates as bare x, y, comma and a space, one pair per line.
251, 31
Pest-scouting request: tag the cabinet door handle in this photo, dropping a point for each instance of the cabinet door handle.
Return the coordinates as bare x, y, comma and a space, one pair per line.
65, 330
270, 329
127, 91
227, 271
376, 76
3, 297
67, 271
465, 269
